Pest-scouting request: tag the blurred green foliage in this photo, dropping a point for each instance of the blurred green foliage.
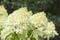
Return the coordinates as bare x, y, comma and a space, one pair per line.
34, 5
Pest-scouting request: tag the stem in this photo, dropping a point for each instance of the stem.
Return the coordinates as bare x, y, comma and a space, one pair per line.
29, 37
48, 37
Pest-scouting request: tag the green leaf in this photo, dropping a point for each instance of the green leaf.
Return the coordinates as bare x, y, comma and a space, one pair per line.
35, 34
15, 37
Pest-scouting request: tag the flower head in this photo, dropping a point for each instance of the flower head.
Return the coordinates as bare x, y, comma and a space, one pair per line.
38, 19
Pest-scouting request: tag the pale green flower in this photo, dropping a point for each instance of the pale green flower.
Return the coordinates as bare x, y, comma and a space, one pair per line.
48, 30
44, 32
51, 29
3, 15
38, 19
20, 15
50, 26
18, 21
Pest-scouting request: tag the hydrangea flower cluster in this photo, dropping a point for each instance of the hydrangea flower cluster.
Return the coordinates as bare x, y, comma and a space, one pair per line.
44, 28
23, 25
3, 16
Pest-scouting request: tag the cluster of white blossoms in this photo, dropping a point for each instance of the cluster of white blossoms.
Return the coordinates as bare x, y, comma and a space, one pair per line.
18, 20
38, 19
3, 16
43, 27
21, 20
